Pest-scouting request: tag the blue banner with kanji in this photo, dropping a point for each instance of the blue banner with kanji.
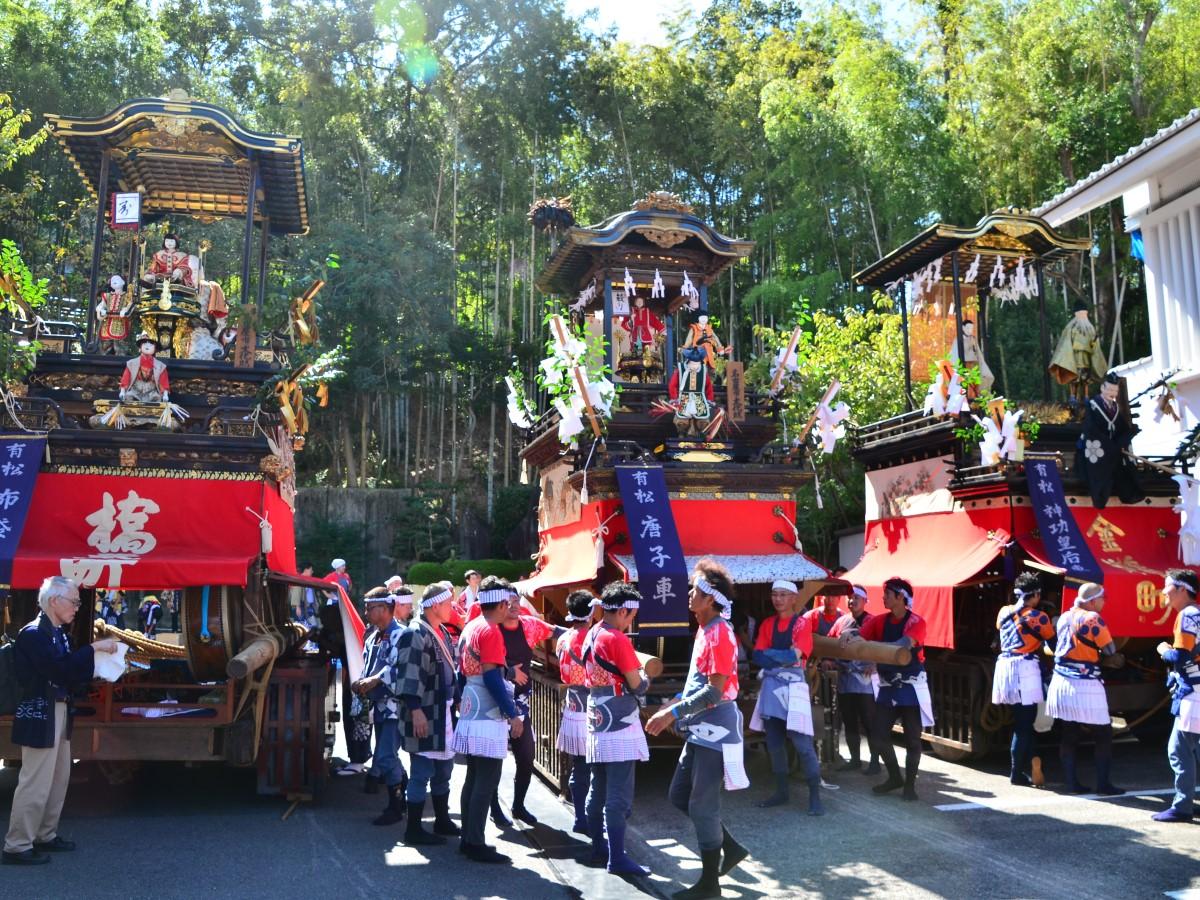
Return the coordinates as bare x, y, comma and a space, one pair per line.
661, 568
20, 461
1060, 533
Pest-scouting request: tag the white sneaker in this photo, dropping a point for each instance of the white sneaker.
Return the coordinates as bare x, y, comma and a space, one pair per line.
352, 769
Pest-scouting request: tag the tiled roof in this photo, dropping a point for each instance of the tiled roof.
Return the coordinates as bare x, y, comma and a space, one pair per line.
1128, 156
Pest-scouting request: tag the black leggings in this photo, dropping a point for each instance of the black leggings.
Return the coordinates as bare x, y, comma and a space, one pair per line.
910, 719
1021, 750
1102, 736
858, 718
522, 748
483, 774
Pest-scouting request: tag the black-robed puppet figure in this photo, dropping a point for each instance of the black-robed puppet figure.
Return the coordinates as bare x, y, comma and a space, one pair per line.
1100, 458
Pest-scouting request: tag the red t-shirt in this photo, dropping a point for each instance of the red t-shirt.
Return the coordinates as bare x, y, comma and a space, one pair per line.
613, 647
536, 630
715, 653
802, 641
820, 622
569, 670
481, 642
872, 630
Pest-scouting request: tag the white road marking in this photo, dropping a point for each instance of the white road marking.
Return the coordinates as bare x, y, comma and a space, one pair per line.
1045, 799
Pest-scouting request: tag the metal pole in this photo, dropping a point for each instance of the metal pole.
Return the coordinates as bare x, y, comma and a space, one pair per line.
958, 310
1045, 333
97, 246
248, 237
902, 301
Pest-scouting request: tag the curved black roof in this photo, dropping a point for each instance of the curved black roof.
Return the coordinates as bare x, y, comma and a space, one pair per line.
189, 158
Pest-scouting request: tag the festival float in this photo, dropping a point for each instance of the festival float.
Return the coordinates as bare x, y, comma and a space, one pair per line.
151, 449
652, 452
967, 489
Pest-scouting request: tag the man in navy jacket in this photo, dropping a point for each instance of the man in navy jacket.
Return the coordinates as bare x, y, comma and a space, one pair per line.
49, 672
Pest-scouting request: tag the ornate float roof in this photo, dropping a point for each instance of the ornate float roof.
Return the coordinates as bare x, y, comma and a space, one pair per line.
189, 158
1000, 238
661, 223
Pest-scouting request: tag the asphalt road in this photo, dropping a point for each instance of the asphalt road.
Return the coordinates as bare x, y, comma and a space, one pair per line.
200, 832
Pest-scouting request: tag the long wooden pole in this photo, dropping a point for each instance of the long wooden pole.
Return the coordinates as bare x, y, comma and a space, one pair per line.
825, 398
791, 348
864, 651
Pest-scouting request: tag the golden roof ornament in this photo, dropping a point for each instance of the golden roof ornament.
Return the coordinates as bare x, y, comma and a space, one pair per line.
665, 200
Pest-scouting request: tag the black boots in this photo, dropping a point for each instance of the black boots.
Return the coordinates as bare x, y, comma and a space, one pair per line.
1104, 787
415, 834
394, 811
894, 780
442, 823
499, 819
815, 807
910, 778
781, 795
1070, 779
732, 852
709, 885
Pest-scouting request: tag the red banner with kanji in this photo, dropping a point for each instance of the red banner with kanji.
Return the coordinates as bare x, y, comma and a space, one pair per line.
144, 533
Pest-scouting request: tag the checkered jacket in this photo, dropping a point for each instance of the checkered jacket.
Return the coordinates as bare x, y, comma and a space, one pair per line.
382, 659
426, 676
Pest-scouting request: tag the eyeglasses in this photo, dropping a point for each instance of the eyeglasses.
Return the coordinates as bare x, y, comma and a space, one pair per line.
76, 602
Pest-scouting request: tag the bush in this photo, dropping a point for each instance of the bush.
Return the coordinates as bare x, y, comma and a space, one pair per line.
427, 573
454, 570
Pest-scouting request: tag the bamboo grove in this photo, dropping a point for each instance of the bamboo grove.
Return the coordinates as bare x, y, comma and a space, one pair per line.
826, 132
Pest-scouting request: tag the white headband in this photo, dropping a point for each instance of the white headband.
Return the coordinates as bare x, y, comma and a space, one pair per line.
1080, 599
494, 596
1171, 582
402, 598
782, 585
722, 601
628, 604
1021, 595
571, 617
860, 591
436, 599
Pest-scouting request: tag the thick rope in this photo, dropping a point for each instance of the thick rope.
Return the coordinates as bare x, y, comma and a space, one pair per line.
140, 644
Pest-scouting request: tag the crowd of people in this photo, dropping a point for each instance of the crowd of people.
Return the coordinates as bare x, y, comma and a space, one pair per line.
452, 683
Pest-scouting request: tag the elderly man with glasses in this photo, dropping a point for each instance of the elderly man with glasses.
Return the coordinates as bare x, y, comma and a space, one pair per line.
49, 672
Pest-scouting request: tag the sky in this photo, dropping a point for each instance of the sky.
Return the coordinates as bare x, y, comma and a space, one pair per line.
637, 21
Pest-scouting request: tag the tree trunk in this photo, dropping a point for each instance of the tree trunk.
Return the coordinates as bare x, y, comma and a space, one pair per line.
348, 454
441, 456
491, 459
454, 445
496, 285
364, 434
407, 429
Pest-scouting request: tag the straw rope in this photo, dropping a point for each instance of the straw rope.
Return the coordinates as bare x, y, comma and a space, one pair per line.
140, 644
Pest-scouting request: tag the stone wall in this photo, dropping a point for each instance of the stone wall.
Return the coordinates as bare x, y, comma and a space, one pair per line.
370, 512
